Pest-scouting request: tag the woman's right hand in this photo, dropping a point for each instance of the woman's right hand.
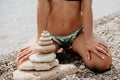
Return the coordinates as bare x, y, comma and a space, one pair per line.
24, 55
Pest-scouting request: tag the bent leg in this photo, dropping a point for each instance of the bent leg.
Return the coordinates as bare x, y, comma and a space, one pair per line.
95, 62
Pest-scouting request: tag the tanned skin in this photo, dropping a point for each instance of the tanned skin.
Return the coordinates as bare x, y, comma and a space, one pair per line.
61, 17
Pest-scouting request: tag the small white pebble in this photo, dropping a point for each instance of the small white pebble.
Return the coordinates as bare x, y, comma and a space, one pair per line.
82, 67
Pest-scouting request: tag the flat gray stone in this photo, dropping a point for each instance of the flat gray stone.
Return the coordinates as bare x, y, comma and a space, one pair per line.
56, 72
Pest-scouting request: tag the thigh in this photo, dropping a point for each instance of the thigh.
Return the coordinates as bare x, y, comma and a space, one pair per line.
78, 46
95, 61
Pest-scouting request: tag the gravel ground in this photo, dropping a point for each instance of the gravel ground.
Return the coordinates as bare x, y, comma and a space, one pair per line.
108, 28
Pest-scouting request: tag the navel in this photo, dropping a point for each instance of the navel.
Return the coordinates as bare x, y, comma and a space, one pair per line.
62, 24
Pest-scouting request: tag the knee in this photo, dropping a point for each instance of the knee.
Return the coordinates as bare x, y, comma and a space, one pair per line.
99, 65
103, 65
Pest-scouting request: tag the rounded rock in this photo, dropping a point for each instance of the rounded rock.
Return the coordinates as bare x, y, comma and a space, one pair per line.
45, 38
45, 43
45, 34
45, 49
38, 57
82, 67
56, 72
38, 66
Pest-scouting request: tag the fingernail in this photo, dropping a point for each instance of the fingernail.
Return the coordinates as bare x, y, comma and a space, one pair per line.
88, 58
103, 57
17, 59
108, 54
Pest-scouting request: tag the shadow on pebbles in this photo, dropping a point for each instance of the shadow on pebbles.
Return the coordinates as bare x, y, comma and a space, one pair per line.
108, 28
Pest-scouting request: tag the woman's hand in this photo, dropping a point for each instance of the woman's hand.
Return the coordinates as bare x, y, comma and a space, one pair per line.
24, 55
26, 51
96, 46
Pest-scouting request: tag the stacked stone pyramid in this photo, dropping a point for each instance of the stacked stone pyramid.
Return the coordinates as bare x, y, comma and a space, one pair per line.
43, 65
44, 59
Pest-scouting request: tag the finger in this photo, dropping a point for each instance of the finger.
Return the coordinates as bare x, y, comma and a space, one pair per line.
16, 63
103, 50
88, 55
60, 50
20, 53
24, 54
24, 58
24, 49
101, 46
99, 54
21, 61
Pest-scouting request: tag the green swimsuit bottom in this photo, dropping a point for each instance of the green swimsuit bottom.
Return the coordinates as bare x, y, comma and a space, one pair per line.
66, 41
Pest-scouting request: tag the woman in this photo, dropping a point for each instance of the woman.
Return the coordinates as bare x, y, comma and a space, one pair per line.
71, 25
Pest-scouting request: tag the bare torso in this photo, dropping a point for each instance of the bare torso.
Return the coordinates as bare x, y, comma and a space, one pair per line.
65, 17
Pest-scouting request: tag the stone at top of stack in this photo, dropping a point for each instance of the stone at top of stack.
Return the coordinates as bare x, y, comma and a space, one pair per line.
44, 59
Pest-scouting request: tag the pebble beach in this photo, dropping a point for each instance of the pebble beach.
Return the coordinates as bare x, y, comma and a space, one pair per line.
106, 26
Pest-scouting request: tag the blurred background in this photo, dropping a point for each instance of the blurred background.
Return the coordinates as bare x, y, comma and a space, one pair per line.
18, 20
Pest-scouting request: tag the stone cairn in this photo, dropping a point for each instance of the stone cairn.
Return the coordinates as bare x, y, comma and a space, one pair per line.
44, 59
43, 65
